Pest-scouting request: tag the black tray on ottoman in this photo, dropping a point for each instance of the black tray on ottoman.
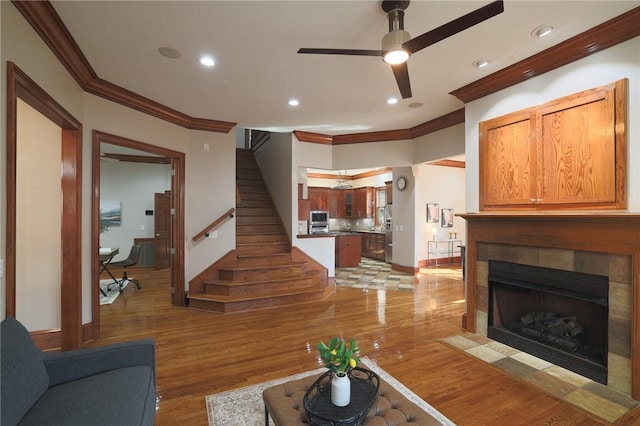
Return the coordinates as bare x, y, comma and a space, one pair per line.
322, 412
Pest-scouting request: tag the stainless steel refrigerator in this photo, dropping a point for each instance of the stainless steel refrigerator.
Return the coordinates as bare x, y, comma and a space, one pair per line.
388, 221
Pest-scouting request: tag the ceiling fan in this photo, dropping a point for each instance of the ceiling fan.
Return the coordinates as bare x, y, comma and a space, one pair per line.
397, 44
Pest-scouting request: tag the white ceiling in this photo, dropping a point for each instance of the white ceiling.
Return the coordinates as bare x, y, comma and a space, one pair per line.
257, 68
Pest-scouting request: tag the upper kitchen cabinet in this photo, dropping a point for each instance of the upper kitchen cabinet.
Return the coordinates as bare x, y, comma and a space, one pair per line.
363, 202
319, 198
341, 203
570, 153
389, 186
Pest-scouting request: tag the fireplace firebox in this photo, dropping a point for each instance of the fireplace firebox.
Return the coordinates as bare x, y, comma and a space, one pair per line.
556, 315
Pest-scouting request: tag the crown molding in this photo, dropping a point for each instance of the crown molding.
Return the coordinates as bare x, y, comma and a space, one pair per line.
447, 120
313, 137
449, 163
605, 35
44, 19
47, 23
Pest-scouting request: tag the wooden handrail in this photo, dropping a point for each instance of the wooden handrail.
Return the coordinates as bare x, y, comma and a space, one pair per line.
259, 138
214, 224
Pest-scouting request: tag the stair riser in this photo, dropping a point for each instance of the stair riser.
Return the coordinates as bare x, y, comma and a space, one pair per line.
268, 260
262, 274
252, 189
272, 289
247, 305
263, 204
255, 211
258, 220
254, 196
250, 181
261, 238
262, 248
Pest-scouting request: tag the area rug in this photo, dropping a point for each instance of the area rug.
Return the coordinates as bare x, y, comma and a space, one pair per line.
112, 294
245, 407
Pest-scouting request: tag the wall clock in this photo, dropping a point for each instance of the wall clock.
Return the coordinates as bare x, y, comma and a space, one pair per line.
401, 183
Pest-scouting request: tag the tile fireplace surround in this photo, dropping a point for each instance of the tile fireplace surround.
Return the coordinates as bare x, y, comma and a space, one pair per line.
602, 243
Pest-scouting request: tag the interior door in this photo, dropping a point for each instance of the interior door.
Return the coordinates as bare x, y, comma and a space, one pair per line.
162, 227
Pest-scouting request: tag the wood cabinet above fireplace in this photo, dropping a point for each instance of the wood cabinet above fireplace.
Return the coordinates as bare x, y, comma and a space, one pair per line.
569, 153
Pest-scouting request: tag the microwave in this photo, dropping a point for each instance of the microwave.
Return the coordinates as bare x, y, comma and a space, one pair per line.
319, 217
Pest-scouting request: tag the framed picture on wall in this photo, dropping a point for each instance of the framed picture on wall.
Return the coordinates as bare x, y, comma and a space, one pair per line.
111, 213
446, 220
433, 213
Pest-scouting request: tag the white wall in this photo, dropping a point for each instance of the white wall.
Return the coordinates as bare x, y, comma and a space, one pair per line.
444, 143
621, 61
133, 185
274, 160
444, 186
373, 154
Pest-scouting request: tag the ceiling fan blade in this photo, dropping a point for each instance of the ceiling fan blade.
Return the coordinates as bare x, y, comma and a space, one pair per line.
453, 27
401, 72
354, 52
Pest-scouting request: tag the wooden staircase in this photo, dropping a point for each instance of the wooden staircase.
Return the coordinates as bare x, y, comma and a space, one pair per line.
263, 271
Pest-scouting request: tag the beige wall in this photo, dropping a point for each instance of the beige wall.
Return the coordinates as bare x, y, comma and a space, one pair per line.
620, 61
38, 220
210, 189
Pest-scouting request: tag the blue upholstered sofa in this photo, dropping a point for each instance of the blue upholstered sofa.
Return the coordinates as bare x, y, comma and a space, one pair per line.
110, 385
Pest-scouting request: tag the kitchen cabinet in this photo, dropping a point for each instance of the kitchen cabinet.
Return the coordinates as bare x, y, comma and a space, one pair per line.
373, 245
389, 186
319, 198
363, 202
341, 203
568, 153
348, 250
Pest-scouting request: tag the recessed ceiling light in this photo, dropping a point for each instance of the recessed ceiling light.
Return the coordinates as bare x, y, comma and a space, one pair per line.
207, 61
480, 63
294, 102
169, 52
415, 104
542, 31
392, 101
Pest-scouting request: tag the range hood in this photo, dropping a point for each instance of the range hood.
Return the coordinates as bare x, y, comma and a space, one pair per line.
342, 183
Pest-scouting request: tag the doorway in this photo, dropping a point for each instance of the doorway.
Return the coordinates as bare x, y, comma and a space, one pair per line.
68, 335
173, 226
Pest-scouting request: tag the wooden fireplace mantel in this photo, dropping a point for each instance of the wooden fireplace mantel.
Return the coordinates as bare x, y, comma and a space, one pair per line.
594, 231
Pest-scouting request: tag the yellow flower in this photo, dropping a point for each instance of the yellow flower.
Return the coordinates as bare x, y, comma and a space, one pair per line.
334, 352
352, 363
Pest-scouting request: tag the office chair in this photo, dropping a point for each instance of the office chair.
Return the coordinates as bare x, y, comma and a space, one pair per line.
131, 260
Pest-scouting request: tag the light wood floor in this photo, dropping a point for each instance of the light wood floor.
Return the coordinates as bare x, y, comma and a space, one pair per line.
200, 353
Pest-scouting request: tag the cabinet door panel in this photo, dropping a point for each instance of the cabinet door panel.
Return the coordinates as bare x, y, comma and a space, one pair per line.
507, 152
579, 154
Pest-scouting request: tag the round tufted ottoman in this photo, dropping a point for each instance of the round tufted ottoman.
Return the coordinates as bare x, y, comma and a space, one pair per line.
284, 403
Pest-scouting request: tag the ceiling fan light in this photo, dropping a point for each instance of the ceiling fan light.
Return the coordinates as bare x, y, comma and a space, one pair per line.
395, 57
392, 47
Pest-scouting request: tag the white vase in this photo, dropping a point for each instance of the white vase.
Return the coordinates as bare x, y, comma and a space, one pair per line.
340, 389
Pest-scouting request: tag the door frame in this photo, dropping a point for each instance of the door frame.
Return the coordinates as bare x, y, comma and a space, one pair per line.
177, 223
20, 85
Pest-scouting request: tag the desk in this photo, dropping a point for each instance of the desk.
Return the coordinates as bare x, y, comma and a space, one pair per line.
447, 247
105, 258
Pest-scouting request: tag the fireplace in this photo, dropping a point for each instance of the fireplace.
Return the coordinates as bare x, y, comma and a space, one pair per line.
598, 243
559, 316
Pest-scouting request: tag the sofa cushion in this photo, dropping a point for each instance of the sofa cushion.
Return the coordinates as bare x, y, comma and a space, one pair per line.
24, 378
124, 396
